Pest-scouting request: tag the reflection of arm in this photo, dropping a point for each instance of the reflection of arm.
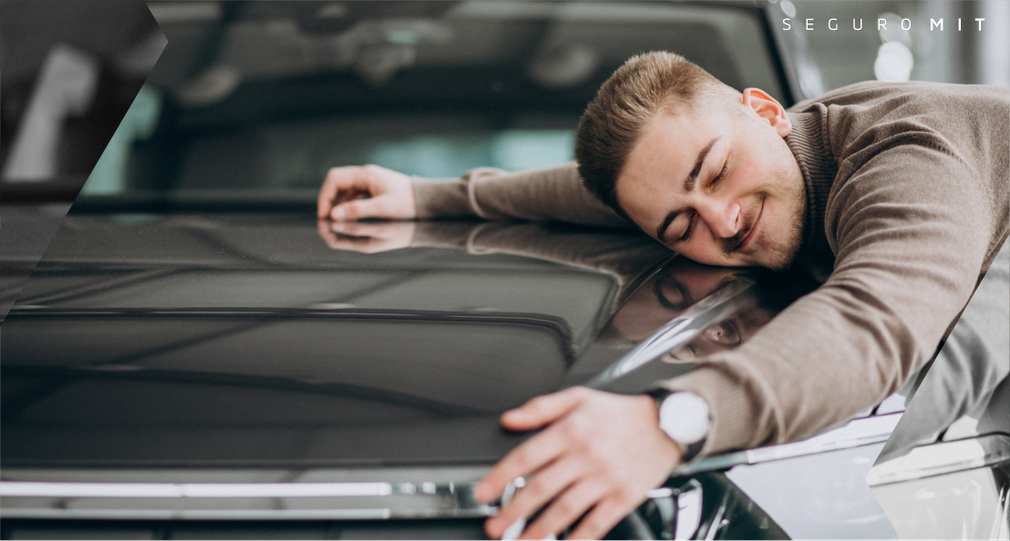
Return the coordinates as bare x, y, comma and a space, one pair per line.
551, 194
623, 254
913, 229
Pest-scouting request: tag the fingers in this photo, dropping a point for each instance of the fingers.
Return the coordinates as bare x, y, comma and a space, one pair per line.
539, 450
366, 237
362, 230
565, 510
340, 181
543, 409
339, 237
604, 517
327, 235
542, 488
369, 191
359, 208
523, 460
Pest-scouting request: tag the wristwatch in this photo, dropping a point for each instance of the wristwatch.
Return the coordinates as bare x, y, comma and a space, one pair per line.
685, 418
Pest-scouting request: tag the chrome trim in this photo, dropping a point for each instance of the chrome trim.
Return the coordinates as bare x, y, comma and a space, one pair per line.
942, 458
680, 509
855, 433
199, 514
1000, 527
690, 508
32, 499
718, 522
29, 489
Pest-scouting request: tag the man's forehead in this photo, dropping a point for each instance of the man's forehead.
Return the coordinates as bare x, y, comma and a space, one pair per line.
671, 150
672, 144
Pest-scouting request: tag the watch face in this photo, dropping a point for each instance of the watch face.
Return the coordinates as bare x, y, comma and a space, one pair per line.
684, 417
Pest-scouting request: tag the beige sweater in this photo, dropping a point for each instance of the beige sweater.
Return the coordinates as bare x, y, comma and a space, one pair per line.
907, 188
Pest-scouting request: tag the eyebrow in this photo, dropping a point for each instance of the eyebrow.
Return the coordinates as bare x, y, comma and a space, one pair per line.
689, 183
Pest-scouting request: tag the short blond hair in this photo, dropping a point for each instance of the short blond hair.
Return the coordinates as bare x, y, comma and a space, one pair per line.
644, 86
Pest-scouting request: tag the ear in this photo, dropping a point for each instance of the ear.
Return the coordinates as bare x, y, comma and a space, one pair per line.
767, 108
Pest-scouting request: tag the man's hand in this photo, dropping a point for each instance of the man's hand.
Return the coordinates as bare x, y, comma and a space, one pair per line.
370, 191
367, 238
601, 453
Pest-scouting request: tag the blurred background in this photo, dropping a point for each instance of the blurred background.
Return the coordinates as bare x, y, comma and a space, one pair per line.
266, 96
907, 48
69, 71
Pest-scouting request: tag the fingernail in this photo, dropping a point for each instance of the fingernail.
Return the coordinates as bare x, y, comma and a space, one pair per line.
338, 213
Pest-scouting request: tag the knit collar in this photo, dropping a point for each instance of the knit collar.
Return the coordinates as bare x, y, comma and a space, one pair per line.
808, 143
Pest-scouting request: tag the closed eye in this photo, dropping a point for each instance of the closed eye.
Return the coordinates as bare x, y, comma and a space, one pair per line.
686, 235
718, 178
690, 225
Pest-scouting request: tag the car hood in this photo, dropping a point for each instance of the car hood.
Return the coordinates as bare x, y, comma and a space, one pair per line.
201, 339
178, 354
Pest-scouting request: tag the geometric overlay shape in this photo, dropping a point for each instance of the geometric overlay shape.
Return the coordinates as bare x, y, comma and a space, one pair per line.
945, 471
71, 69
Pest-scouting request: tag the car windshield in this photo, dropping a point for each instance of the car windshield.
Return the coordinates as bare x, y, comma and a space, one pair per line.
265, 97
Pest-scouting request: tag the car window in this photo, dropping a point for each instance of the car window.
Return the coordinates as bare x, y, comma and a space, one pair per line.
268, 96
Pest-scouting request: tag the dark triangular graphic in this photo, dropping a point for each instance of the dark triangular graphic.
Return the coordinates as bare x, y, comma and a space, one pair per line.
71, 69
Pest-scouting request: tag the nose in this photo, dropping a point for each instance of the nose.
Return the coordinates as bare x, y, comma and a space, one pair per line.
721, 215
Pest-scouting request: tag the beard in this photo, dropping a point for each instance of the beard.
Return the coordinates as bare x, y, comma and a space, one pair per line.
778, 252
781, 252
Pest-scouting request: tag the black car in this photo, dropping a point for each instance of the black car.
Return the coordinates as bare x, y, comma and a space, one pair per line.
191, 359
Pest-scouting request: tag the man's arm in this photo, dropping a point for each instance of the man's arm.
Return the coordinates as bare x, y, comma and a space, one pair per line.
542, 195
912, 229
550, 194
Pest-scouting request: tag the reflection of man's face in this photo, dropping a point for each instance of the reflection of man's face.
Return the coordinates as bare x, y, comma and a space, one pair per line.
673, 290
727, 334
721, 188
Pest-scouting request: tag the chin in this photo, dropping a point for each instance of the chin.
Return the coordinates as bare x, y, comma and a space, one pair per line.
777, 254
780, 259
779, 264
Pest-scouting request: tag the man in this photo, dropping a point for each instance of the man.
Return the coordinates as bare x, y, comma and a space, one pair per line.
905, 186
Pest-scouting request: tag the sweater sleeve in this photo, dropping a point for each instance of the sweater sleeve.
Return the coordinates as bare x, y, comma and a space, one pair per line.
550, 194
911, 228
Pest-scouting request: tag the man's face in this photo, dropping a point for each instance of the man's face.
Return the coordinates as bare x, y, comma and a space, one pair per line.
719, 187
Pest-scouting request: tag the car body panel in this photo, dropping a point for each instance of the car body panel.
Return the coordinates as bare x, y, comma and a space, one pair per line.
190, 358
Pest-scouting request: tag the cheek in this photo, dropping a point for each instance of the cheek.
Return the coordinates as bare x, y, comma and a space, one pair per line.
780, 216
750, 174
